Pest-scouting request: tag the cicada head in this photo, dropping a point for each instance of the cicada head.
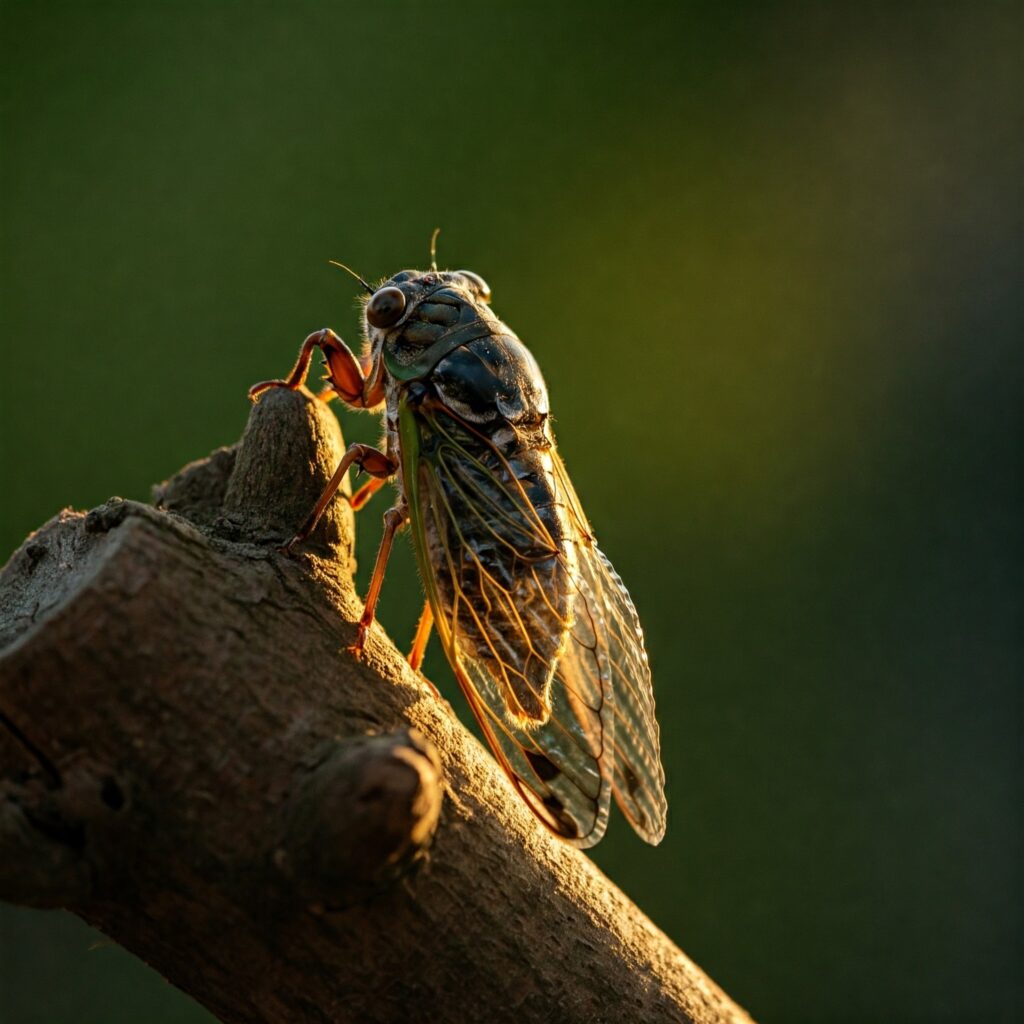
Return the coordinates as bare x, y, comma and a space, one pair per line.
415, 318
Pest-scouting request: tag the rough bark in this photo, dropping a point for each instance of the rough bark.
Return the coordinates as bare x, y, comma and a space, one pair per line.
194, 763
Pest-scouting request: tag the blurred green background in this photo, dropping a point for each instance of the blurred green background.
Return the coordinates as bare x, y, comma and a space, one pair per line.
769, 259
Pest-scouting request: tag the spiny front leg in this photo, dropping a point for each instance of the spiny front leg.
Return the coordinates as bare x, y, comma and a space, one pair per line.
394, 519
348, 377
371, 460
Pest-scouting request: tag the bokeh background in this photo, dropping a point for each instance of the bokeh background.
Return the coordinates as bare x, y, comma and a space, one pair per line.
769, 258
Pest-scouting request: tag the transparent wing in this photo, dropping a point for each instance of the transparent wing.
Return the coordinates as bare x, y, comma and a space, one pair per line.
637, 775
638, 779
599, 736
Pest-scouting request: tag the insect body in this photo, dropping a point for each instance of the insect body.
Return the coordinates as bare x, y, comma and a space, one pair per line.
538, 628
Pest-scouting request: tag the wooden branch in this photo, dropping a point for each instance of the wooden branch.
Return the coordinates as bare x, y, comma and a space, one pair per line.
196, 765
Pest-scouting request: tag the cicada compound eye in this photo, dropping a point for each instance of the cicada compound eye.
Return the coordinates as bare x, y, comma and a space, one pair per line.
385, 307
483, 289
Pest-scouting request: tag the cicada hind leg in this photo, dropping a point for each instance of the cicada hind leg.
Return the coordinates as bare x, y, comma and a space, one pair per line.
422, 638
419, 645
394, 519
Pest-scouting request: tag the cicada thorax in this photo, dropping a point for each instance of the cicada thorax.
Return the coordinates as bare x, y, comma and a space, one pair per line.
498, 535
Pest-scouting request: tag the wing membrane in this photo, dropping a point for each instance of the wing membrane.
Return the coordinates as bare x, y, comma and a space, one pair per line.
638, 779
597, 736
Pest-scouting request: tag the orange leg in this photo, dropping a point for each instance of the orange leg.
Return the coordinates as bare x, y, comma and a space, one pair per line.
394, 520
374, 462
422, 638
353, 381
366, 492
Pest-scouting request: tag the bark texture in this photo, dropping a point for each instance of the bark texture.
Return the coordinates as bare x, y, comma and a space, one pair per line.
191, 761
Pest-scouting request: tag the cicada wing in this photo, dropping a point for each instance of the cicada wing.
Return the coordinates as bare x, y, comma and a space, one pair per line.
602, 727
556, 767
567, 765
637, 774
464, 497
638, 778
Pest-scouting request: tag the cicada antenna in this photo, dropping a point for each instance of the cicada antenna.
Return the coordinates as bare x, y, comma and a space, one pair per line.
433, 249
349, 270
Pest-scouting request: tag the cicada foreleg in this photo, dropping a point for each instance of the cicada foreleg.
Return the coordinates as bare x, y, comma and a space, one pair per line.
378, 464
394, 519
354, 381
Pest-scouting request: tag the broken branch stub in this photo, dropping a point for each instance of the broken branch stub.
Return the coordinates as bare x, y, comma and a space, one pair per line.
194, 763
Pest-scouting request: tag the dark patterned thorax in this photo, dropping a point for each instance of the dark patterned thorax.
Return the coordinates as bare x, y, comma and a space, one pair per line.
497, 531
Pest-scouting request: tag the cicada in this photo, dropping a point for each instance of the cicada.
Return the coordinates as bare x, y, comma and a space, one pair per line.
538, 628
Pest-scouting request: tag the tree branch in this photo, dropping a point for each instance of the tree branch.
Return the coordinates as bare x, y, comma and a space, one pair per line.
197, 766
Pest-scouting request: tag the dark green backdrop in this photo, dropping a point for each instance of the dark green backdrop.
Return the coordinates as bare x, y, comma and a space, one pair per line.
766, 258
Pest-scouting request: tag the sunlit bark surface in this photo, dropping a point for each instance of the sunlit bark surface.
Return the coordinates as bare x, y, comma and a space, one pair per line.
191, 761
